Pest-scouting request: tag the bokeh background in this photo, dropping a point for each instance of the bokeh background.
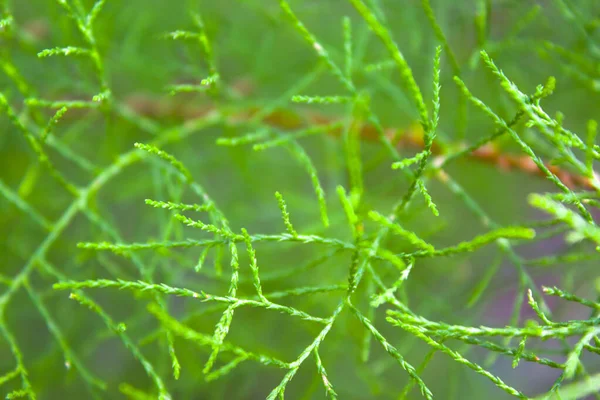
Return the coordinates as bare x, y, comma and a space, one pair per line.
260, 58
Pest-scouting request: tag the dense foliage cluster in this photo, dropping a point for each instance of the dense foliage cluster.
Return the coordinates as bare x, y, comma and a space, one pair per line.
252, 199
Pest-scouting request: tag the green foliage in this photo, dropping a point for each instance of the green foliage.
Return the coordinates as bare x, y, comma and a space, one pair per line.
418, 269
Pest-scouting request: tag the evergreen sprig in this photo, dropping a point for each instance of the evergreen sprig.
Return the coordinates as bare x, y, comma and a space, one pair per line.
210, 269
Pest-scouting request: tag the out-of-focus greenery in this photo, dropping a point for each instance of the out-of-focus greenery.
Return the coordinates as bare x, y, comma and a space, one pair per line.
346, 283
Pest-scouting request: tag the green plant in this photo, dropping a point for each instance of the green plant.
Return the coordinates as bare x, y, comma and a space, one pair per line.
290, 241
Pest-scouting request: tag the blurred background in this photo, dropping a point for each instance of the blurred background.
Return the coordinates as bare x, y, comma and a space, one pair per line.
260, 58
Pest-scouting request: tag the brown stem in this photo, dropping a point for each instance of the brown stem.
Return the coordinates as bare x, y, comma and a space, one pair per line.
412, 137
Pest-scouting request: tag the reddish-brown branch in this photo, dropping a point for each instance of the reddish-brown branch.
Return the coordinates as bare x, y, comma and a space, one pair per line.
412, 137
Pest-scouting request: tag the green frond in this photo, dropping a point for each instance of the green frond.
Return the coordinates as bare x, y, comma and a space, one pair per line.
102, 113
